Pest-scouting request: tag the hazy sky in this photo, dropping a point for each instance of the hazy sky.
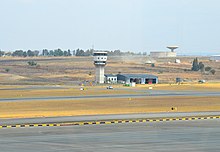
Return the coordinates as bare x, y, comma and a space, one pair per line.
129, 25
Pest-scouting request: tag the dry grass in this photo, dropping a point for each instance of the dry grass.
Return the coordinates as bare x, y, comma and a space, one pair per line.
60, 70
100, 90
59, 92
107, 106
188, 87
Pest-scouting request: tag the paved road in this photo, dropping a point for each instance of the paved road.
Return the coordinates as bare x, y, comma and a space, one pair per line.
144, 94
140, 137
103, 117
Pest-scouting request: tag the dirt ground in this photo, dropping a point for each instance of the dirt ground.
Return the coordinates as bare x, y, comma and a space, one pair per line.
75, 70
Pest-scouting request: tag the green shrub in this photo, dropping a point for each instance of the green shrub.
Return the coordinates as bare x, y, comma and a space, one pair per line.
32, 63
212, 71
208, 68
7, 70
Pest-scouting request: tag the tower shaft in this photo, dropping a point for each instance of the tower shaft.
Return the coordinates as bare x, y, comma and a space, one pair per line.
99, 74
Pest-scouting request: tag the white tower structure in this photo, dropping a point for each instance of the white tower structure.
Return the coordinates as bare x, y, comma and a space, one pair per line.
100, 59
172, 48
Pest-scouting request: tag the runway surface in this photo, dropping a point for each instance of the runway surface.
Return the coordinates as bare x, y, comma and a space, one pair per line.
198, 135
141, 95
103, 117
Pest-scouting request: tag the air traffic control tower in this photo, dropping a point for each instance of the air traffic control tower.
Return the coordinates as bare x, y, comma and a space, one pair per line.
100, 59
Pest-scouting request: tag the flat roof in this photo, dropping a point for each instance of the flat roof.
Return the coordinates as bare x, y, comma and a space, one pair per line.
110, 75
139, 75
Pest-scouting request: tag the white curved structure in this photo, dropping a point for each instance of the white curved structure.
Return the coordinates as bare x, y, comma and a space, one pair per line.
172, 48
100, 60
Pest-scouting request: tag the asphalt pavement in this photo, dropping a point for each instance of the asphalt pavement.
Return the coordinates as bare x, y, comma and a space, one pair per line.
103, 117
193, 136
151, 93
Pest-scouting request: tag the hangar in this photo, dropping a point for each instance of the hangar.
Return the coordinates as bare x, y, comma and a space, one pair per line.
137, 78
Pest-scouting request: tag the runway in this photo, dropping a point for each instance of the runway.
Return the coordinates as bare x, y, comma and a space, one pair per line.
199, 135
140, 95
104, 117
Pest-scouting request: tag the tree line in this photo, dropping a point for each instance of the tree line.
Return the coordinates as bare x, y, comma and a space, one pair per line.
59, 52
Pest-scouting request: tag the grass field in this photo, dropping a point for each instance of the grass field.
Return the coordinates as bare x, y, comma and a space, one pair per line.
99, 90
187, 87
107, 106
99, 106
58, 92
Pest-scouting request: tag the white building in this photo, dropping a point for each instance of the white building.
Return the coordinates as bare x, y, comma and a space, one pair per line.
162, 54
177, 61
110, 78
215, 58
100, 59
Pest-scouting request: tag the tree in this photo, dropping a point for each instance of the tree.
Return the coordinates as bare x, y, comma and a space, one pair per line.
2, 53
69, 53
212, 71
19, 53
195, 65
51, 53
65, 53
80, 52
30, 53
208, 68
117, 52
152, 65
45, 52
74, 52
201, 67
58, 52
24, 54
36, 53
88, 52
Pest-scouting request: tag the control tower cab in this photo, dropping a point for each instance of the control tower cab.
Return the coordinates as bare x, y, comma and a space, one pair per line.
100, 59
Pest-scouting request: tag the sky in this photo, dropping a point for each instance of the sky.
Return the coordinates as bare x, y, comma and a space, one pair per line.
128, 25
